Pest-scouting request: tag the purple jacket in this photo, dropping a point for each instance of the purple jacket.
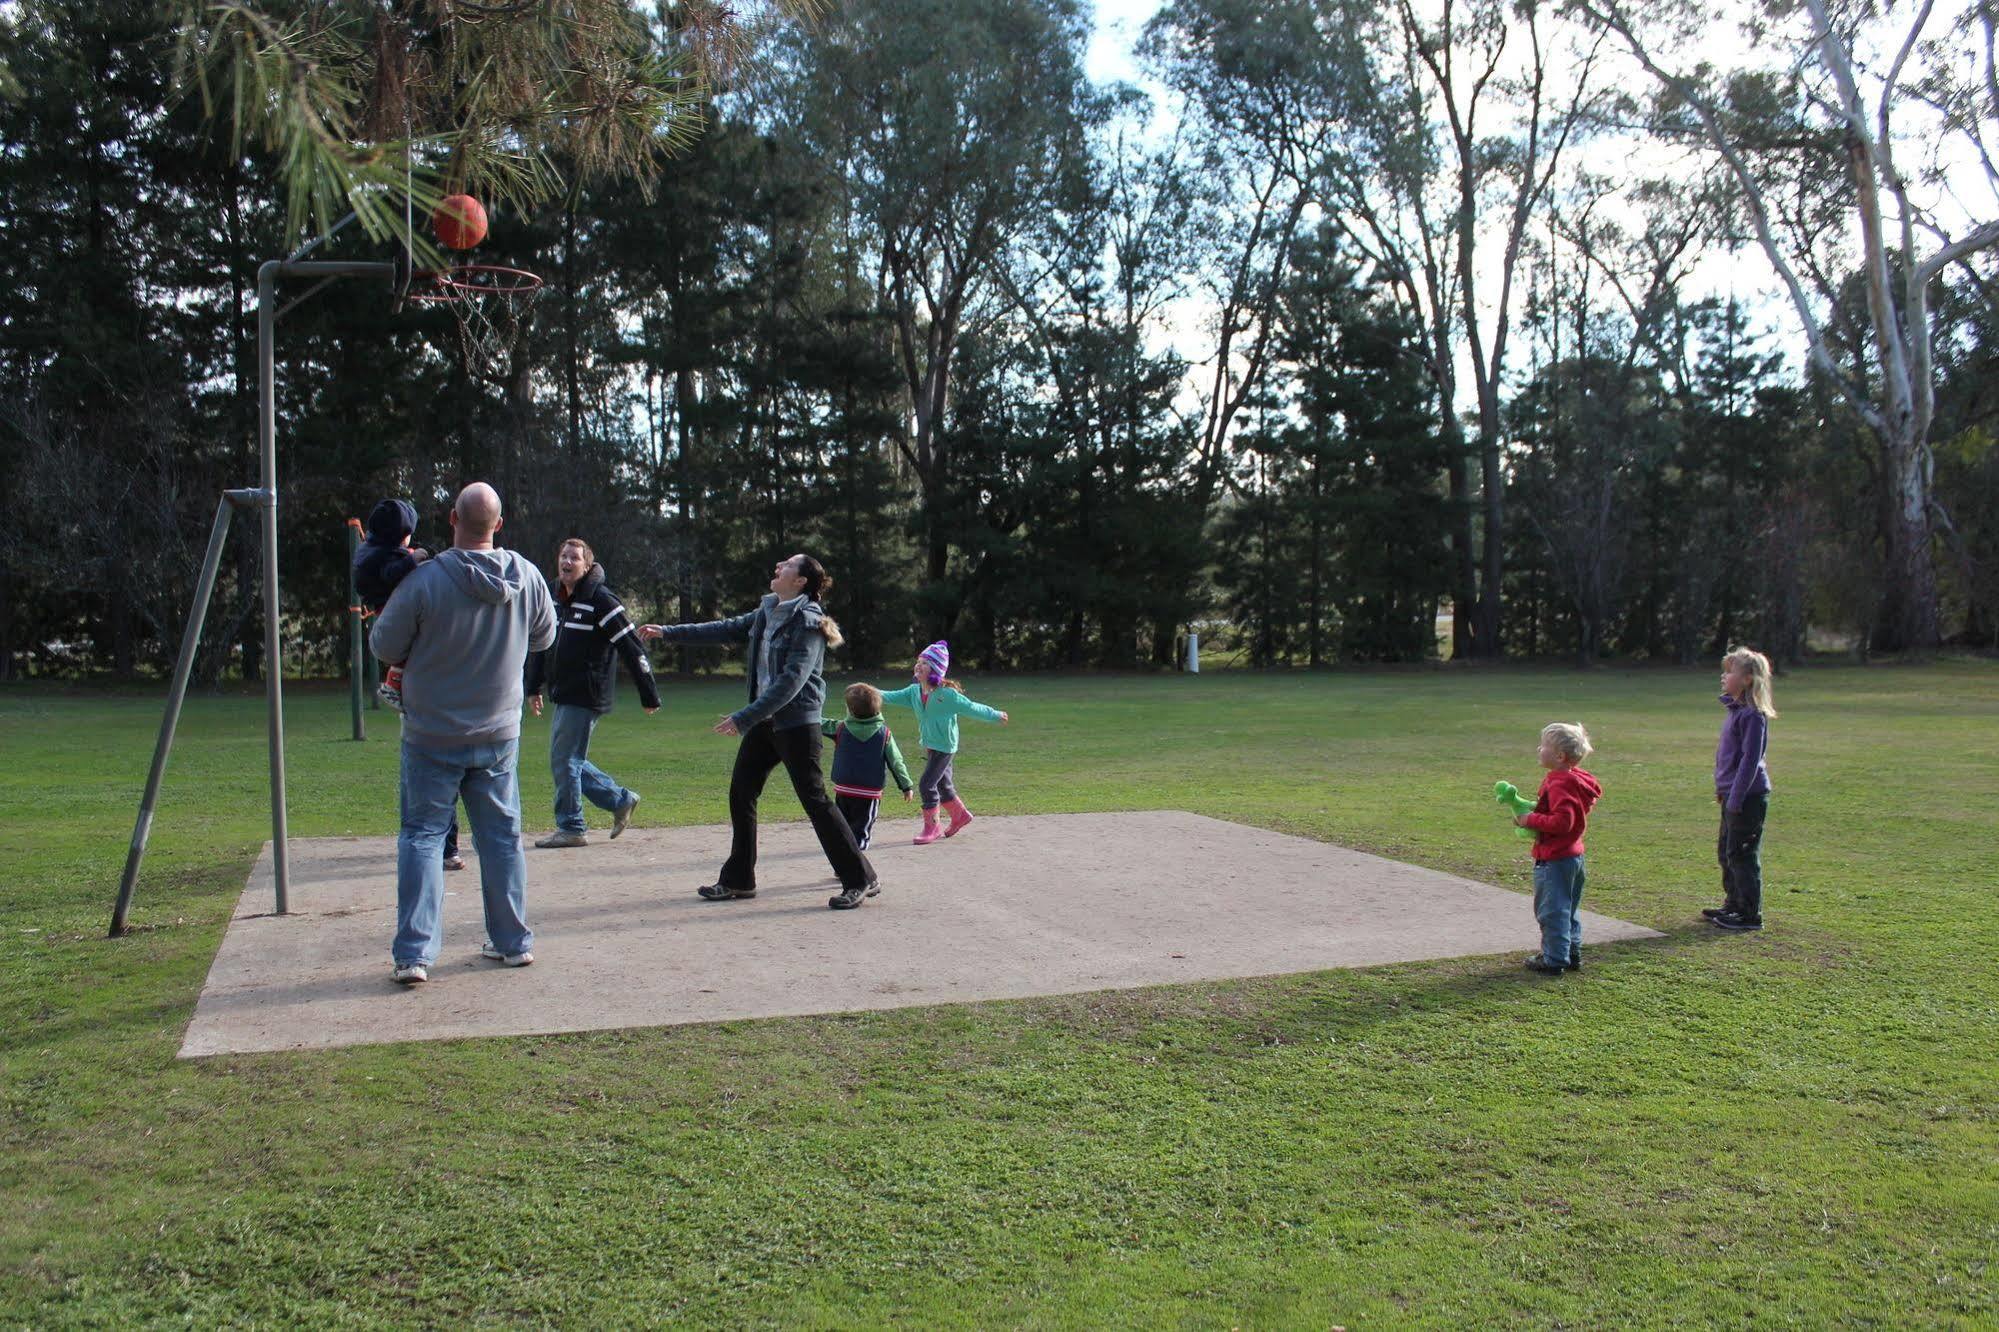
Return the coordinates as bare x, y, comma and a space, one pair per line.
1738, 758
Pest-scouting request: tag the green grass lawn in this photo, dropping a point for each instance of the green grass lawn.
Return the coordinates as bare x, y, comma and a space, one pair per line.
1793, 1128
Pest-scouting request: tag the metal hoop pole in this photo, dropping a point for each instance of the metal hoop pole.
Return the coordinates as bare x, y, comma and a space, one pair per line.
274, 662
190, 641
267, 448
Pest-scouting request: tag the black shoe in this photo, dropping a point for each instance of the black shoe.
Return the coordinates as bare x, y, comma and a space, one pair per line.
1575, 961
1544, 966
1736, 921
722, 892
849, 898
1709, 913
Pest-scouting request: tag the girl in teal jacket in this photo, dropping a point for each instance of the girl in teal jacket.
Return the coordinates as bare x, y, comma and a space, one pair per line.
938, 703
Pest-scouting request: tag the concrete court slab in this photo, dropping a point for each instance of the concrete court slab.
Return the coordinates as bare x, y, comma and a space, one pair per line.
1031, 905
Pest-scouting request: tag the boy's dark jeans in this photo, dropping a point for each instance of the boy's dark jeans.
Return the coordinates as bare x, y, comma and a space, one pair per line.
1739, 848
1558, 895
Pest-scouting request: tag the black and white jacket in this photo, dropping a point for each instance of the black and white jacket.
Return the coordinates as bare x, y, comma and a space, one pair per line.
590, 623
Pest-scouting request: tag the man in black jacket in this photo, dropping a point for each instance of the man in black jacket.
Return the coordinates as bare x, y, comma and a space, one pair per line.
582, 681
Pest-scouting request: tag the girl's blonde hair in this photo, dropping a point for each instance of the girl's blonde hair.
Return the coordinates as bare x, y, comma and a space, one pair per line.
1757, 667
1570, 738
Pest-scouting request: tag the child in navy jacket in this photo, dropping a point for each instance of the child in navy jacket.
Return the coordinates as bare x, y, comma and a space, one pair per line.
385, 558
865, 755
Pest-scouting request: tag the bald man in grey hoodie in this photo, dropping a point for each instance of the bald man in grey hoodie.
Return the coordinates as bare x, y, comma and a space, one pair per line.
463, 625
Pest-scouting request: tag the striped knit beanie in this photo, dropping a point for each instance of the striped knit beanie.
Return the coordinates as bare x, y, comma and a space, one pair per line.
937, 657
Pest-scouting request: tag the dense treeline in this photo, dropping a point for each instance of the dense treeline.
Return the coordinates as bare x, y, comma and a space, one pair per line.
1029, 364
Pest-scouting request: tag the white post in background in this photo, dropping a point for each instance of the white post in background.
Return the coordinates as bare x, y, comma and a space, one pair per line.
1193, 653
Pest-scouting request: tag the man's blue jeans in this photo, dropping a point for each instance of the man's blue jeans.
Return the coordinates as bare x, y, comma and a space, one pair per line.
1558, 893
576, 777
433, 779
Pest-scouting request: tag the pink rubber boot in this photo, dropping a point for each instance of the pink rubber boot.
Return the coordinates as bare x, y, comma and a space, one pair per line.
931, 832
960, 816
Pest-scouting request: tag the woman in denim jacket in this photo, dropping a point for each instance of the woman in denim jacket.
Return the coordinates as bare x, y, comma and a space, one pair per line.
787, 636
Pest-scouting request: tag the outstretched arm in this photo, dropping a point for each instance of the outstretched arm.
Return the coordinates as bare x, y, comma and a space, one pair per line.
967, 708
896, 766
735, 629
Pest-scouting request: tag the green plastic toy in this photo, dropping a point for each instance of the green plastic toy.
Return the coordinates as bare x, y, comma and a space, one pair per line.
1507, 794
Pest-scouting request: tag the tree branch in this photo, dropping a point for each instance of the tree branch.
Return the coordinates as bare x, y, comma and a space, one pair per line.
1611, 16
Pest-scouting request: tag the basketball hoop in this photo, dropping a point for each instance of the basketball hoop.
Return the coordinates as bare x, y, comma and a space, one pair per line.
490, 303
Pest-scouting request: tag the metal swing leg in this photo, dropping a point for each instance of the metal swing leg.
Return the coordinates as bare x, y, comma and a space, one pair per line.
176, 695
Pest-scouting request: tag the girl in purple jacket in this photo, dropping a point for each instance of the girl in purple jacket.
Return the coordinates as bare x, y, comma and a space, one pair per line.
1742, 788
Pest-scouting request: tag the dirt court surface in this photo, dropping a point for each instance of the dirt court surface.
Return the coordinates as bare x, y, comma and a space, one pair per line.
1039, 904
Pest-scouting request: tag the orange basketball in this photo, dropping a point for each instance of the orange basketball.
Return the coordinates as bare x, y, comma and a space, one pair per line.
460, 222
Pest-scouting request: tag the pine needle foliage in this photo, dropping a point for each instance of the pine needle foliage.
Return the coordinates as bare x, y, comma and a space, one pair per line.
386, 106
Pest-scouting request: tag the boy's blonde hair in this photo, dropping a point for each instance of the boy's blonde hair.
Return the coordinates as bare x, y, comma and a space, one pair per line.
1757, 666
1570, 738
863, 701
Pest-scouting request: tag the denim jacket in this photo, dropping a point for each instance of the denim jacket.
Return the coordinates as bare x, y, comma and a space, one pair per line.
796, 688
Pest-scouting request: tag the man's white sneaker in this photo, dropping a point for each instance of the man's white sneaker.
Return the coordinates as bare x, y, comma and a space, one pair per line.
621, 818
558, 839
487, 950
412, 973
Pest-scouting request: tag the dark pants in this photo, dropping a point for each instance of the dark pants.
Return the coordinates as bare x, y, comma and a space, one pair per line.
1739, 848
859, 812
451, 837
935, 785
797, 748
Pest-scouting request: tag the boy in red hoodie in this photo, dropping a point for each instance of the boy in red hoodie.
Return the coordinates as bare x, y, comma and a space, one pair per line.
1567, 794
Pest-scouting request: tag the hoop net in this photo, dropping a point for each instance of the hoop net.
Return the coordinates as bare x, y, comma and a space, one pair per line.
490, 305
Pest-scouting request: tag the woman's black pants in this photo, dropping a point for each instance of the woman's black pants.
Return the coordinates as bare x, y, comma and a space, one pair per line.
797, 748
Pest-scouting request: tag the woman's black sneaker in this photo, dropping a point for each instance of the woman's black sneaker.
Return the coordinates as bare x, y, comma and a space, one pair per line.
1733, 920
1709, 913
722, 892
1576, 961
849, 898
1544, 966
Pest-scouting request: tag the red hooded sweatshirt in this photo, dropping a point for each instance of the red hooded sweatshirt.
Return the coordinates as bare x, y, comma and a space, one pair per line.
1561, 813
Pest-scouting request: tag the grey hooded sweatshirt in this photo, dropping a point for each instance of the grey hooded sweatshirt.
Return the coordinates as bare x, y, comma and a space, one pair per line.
463, 625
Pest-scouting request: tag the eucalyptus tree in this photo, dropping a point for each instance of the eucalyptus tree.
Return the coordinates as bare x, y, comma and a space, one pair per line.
947, 126
1464, 115
1849, 149
1264, 87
